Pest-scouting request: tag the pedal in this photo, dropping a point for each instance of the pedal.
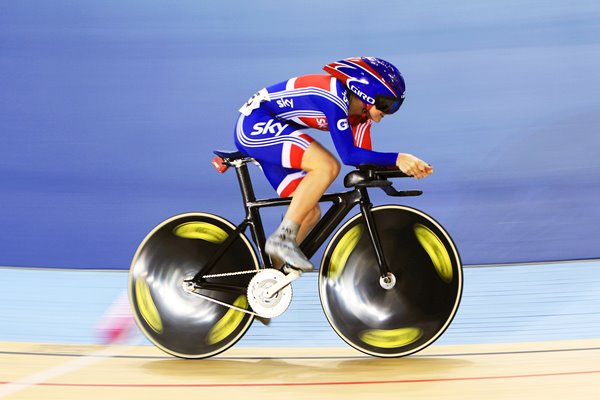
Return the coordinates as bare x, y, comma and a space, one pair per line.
291, 274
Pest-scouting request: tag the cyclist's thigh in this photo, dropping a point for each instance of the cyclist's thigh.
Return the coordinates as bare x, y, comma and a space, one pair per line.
270, 140
284, 180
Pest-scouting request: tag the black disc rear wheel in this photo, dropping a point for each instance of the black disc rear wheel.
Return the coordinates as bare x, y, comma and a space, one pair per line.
179, 322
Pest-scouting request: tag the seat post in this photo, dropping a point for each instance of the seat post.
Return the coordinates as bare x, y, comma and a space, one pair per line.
253, 217
246, 188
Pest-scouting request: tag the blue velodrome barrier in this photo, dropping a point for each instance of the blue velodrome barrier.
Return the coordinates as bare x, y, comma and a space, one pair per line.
500, 304
109, 112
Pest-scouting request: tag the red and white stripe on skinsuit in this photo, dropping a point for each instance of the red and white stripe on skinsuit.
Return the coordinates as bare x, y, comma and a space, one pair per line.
360, 130
362, 139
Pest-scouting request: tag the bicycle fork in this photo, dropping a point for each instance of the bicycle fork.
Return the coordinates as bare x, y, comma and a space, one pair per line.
387, 279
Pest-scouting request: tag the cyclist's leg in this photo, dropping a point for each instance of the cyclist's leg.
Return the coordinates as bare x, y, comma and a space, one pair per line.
319, 170
308, 223
306, 226
282, 245
285, 181
322, 164
287, 157
318, 162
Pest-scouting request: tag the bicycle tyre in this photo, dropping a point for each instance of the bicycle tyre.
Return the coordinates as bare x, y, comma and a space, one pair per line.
178, 322
418, 309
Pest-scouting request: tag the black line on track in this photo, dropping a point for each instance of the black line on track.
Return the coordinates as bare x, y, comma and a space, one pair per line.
28, 353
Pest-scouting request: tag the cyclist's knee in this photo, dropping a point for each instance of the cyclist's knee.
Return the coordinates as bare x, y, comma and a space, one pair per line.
330, 167
319, 158
334, 168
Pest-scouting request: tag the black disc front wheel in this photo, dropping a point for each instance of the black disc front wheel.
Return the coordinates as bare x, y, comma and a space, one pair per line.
175, 320
417, 309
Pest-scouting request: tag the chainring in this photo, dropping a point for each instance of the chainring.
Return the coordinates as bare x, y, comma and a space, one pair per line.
268, 307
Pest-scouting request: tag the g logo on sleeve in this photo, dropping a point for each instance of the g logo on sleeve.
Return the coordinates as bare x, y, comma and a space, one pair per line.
342, 124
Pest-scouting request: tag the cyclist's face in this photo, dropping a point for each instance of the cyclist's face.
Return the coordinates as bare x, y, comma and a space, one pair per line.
375, 114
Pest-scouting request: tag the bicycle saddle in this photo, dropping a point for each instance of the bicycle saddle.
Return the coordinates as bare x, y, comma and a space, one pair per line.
229, 155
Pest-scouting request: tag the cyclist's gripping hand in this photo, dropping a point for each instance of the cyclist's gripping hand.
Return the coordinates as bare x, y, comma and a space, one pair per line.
413, 166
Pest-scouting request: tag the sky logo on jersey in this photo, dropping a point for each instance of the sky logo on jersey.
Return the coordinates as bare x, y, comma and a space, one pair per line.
269, 127
285, 103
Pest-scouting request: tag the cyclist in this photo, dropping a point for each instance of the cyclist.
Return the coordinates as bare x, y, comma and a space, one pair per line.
356, 92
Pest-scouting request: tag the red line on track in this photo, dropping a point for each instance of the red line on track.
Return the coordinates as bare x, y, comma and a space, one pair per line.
158, 385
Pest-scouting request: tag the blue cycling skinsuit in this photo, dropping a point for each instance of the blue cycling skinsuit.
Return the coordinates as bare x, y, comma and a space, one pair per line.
270, 125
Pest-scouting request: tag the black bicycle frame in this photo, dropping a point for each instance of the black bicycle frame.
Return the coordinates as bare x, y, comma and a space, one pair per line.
343, 203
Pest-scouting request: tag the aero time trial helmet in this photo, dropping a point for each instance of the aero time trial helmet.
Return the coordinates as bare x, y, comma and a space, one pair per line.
372, 80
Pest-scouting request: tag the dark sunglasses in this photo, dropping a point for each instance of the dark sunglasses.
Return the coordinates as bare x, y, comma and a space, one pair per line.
388, 104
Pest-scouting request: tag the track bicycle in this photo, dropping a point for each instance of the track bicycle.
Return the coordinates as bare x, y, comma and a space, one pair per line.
390, 280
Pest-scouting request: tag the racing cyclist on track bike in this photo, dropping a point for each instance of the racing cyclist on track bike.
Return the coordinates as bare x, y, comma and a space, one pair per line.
355, 93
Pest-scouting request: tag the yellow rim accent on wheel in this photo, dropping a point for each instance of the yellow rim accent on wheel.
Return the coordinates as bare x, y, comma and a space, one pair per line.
391, 338
230, 321
146, 306
342, 251
201, 230
436, 250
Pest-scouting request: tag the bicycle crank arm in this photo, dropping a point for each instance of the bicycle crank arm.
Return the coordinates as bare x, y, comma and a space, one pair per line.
292, 275
189, 287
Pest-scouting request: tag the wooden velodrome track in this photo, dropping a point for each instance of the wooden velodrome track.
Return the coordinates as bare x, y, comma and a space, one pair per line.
536, 335
551, 370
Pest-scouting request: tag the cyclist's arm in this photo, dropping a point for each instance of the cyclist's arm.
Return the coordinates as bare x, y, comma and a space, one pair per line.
343, 139
362, 135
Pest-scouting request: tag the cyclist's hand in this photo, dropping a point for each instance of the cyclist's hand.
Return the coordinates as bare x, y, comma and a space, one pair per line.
413, 166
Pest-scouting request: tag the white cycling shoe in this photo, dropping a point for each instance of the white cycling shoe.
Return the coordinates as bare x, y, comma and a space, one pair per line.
286, 249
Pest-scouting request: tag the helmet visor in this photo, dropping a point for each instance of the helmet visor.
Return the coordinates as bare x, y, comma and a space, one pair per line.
388, 104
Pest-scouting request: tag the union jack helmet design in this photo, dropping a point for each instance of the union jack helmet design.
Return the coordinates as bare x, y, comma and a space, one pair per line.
373, 80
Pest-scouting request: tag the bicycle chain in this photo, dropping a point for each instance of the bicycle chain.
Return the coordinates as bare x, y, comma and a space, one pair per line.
190, 289
251, 271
